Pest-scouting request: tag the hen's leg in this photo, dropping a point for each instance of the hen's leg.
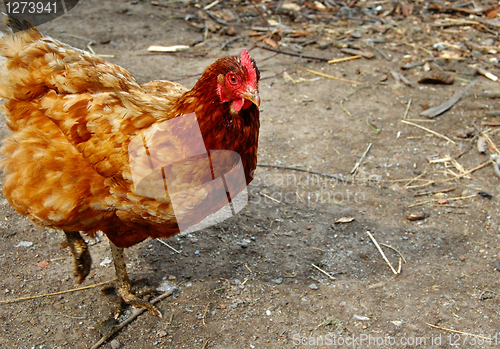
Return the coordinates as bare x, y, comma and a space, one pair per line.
124, 282
81, 255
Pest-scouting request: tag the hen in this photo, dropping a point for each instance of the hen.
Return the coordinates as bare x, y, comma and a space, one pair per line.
92, 150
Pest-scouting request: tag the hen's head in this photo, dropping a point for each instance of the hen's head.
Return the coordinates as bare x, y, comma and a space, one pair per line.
237, 81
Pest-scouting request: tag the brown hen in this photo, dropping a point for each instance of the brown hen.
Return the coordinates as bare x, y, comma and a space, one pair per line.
92, 150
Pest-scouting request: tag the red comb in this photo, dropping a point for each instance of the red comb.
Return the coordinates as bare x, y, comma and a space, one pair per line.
247, 63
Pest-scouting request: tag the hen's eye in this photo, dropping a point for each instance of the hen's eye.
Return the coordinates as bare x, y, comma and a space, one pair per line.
233, 79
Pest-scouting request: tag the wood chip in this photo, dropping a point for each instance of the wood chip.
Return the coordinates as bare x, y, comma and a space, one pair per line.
417, 216
437, 78
440, 109
167, 49
344, 220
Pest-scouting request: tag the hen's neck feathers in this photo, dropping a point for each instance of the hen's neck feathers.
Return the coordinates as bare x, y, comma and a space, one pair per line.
221, 126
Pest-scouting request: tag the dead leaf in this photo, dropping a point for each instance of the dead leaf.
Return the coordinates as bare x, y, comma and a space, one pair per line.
493, 13
270, 42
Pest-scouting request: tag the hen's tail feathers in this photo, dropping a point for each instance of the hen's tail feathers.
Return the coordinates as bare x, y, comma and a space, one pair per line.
16, 25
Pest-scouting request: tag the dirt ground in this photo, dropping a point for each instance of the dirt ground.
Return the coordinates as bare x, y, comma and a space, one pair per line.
249, 282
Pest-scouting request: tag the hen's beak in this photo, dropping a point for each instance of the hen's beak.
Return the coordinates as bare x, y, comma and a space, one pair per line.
252, 96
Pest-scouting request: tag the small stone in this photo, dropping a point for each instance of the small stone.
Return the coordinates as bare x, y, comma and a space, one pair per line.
24, 244
278, 281
462, 258
268, 312
196, 252
162, 334
496, 264
309, 227
284, 303
243, 245
313, 287
115, 344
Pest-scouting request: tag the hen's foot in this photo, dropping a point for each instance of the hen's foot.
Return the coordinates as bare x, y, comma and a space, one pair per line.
81, 255
124, 289
133, 299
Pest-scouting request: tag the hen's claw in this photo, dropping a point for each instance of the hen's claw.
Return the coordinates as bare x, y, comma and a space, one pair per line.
124, 290
81, 255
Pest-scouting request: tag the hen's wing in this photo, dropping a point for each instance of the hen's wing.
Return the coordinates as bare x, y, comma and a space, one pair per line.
73, 116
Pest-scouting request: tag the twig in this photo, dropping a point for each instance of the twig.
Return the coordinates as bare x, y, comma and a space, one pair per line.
435, 200
430, 131
417, 178
433, 112
262, 17
407, 109
446, 190
130, 319
300, 198
361, 160
382, 53
392, 248
248, 268
381, 252
347, 97
205, 345
455, 331
269, 197
490, 123
55, 293
170, 247
205, 314
305, 170
467, 148
343, 108
293, 53
345, 59
324, 272
332, 77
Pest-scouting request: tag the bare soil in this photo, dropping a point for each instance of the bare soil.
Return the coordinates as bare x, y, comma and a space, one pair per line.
249, 282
